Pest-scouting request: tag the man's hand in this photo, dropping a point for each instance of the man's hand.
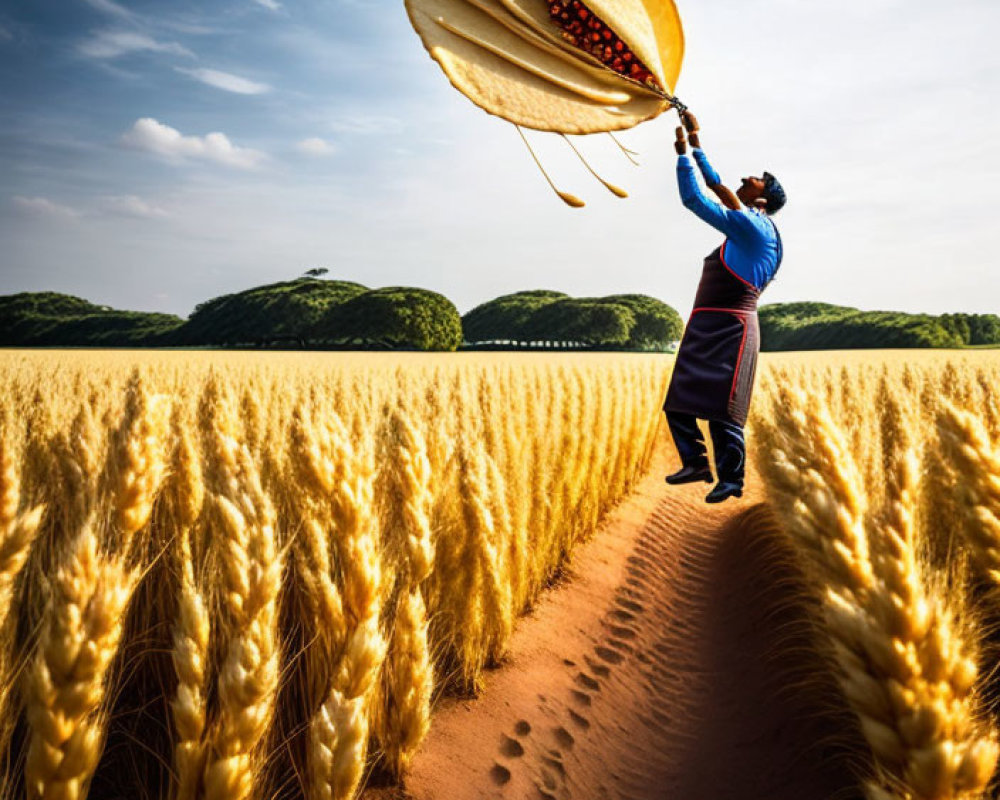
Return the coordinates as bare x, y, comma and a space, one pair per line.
680, 145
691, 123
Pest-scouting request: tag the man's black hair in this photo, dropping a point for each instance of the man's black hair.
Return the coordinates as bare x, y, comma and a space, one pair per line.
773, 193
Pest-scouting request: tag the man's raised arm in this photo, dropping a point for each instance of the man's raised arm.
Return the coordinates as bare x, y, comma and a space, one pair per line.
723, 220
726, 196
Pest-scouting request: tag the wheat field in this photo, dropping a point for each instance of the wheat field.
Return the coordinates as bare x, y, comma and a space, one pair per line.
245, 575
235, 575
884, 469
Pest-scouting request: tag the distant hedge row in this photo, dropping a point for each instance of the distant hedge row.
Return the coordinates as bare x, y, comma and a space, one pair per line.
628, 321
315, 314
301, 313
821, 326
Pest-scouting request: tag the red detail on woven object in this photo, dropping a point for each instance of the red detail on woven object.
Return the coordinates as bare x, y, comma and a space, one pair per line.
584, 29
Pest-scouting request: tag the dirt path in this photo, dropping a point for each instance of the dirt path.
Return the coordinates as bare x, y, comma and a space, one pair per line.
668, 666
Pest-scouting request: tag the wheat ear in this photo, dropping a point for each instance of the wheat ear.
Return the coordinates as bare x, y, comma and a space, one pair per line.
338, 732
252, 568
192, 625
968, 446
906, 665
65, 683
17, 528
410, 674
140, 465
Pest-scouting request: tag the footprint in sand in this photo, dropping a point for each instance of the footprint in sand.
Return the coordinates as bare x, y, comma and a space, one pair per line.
579, 720
587, 682
609, 655
522, 727
500, 775
582, 698
555, 763
629, 605
600, 670
564, 737
622, 632
511, 748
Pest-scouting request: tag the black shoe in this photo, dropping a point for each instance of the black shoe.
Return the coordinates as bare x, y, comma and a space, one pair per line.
723, 490
690, 475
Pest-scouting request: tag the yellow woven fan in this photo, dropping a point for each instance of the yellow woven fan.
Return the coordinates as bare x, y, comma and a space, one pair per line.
563, 66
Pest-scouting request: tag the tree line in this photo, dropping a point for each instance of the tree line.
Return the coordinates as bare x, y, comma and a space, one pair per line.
314, 313
310, 313
822, 326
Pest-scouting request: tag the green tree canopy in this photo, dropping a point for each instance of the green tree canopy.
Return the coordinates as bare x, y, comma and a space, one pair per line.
821, 326
50, 319
506, 317
395, 316
628, 321
587, 320
656, 323
285, 310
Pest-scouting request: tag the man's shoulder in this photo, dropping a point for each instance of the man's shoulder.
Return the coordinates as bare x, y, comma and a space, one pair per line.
762, 223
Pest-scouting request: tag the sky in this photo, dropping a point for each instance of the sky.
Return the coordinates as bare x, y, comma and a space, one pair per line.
156, 154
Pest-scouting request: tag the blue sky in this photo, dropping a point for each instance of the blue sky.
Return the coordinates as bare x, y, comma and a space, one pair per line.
155, 154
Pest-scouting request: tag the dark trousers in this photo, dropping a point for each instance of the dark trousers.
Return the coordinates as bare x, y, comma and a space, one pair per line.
727, 441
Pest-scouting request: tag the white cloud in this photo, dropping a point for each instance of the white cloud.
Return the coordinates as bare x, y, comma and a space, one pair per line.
314, 146
113, 43
44, 207
109, 7
155, 137
273, 5
226, 81
131, 205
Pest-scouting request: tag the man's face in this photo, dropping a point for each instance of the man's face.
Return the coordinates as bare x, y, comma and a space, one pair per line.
750, 190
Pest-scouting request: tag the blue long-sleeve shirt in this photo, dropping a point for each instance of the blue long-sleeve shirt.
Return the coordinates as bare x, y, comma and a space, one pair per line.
752, 250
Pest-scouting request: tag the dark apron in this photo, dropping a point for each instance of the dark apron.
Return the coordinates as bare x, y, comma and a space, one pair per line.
717, 360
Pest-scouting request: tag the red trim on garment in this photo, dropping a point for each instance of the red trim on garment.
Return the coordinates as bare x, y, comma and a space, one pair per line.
739, 360
722, 258
739, 314
737, 311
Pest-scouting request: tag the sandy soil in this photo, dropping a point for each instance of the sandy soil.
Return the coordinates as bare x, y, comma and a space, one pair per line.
674, 662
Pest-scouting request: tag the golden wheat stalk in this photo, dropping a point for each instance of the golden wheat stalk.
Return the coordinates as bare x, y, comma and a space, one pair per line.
192, 624
338, 732
139, 461
65, 683
17, 528
252, 569
905, 658
402, 715
485, 559
411, 683
977, 461
190, 656
811, 477
248, 675
321, 589
337, 747
413, 471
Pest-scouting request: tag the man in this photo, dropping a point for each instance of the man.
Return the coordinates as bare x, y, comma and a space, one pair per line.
714, 372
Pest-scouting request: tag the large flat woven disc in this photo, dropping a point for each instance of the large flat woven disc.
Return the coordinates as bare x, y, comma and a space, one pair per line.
508, 57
